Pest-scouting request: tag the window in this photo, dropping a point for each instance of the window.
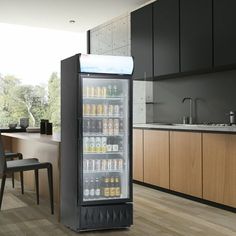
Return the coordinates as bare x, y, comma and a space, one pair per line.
30, 72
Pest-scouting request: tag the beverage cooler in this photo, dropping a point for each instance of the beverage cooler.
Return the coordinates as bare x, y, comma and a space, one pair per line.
96, 142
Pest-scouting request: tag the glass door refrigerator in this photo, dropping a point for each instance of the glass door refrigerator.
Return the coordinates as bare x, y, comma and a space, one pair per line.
96, 142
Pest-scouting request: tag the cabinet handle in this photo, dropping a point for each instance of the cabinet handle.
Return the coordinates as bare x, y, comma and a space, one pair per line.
145, 75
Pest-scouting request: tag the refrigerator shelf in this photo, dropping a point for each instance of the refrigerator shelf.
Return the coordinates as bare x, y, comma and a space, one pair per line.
103, 116
104, 98
103, 153
102, 171
103, 198
102, 135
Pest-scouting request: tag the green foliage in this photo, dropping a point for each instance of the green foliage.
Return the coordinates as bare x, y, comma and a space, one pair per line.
36, 102
54, 105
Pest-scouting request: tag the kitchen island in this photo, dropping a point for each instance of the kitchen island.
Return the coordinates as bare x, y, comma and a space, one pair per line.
44, 147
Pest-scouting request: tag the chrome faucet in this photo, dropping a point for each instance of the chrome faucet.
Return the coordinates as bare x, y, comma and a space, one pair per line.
190, 108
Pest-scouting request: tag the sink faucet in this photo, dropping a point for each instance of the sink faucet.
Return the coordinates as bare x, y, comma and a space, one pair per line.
190, 108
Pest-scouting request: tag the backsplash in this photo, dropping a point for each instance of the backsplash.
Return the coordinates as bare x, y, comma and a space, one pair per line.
214, 95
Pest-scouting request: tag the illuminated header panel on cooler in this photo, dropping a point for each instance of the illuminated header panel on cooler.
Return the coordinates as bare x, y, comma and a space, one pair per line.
105, 64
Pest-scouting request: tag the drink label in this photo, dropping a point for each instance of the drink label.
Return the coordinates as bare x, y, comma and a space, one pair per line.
106, 192
115, 148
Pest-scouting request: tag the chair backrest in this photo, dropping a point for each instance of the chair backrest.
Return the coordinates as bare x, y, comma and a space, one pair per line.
2, 157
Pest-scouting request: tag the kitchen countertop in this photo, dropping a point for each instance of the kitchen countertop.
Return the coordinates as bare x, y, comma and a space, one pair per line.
195, 127
43, 138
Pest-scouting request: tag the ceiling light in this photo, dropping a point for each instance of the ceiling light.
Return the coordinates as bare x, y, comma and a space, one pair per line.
72, 21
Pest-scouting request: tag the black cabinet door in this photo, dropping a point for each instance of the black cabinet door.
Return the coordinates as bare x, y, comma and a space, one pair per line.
224, 32
141, 42
166, 37
196, 35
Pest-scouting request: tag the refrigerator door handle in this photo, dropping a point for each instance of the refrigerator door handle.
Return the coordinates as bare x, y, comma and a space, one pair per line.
80, 129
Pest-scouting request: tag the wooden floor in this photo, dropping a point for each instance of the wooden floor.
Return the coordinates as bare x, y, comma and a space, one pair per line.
155, 213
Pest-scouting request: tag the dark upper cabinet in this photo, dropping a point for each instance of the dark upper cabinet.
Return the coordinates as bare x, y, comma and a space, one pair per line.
166, 37
196, 35
141, 46
224, 32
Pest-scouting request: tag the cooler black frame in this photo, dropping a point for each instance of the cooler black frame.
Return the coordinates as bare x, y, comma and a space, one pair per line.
71, 190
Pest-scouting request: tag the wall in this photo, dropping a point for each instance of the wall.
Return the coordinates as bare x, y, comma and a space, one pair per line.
214, 94
113, 38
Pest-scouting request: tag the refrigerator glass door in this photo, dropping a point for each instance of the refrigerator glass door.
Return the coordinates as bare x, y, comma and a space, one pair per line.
105, 139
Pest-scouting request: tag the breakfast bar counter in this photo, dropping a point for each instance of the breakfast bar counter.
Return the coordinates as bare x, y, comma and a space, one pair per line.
46, 148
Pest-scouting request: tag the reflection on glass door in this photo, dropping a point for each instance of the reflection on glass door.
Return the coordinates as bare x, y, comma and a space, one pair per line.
105, 139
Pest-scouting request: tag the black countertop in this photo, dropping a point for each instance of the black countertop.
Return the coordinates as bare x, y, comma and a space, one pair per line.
8, 130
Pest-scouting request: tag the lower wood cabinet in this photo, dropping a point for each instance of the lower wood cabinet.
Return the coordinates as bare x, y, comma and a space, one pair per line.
156, 158
138, 154
186, 163
219, 168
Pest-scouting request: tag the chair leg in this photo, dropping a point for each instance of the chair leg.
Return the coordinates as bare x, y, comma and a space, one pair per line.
13, 180
50, 184
36, 173
2, 189
22, 182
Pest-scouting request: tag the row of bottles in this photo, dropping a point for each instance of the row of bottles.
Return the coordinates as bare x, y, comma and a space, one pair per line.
102, 110
91, 165
105, 187
102, 144
111, 90
103, 126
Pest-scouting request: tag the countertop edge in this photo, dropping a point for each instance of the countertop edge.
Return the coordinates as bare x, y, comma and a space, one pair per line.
210, 129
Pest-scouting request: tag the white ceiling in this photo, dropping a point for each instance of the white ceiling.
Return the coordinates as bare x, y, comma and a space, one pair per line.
55, 14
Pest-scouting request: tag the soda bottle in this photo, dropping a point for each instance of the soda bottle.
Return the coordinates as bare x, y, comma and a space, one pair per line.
109, 90
91, 188
115, 91
97, 188
112, 187
117, 186
106, 189
86, 188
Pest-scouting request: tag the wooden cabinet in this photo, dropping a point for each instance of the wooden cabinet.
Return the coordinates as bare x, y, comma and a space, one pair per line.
186, 163
141, 42
224, 32
138, 154
156, 158
219, 168
166, 37
196, 35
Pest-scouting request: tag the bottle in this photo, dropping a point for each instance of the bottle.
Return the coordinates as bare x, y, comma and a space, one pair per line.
117, 186
109, 90
105, 126
112, 187
110, 126
115, 147
86, 145
93, 128
110, 110
86, 188
121, 126
109, 144
104, 91
92, 144
106, 190
116, 127
91, 188
104, 144
99, 127
98, 144
114, 91
97, 188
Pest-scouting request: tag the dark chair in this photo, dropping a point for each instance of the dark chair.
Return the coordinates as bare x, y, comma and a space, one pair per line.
10, 156
9, 167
